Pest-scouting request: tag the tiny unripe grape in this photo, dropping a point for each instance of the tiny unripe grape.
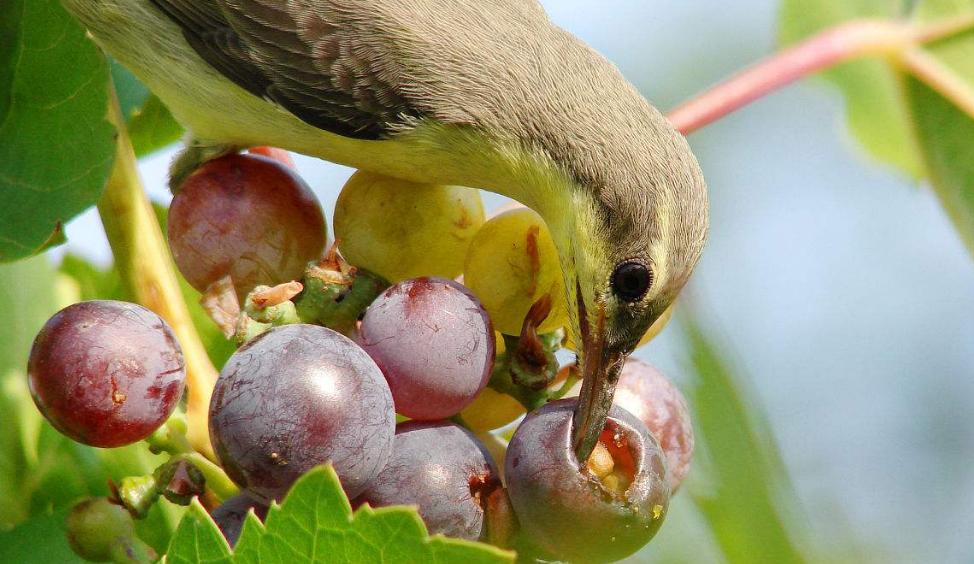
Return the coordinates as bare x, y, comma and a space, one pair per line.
401, 230
248, 217
96, 526
511, 263
106, 373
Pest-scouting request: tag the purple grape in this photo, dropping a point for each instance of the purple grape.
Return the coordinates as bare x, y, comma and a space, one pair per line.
444, 471
296, 397
577, 512
230, 515
106, 373
644, 391
434, 343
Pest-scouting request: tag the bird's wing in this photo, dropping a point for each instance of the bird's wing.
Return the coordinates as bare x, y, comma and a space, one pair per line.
298, 55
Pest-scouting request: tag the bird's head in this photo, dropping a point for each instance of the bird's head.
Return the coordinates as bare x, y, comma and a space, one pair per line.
629, 234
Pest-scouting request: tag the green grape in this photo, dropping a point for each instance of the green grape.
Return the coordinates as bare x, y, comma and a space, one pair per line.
510, 264
491, 410
400, 230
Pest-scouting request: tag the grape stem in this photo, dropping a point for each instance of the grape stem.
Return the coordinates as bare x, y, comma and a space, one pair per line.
898, 41
144, 263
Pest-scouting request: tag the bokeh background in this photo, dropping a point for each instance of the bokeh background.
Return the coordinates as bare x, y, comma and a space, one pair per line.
835, 287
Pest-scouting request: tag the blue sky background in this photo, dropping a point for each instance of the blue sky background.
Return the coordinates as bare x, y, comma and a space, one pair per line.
839, 287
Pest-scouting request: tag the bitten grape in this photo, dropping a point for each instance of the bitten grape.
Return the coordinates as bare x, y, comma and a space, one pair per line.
248, 217
444, 471
511, 263
296, 397
602, 510
400, 230
644, 391
434, 343
230, 515
106, 373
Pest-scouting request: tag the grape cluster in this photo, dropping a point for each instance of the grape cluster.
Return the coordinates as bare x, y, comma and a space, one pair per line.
336, 344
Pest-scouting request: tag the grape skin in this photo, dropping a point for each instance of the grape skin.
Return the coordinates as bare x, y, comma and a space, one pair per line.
644, 391
248, 217
567, 511
444, 471
106, 373
433, 342
401, 230
230, 515
296, 397
511, 263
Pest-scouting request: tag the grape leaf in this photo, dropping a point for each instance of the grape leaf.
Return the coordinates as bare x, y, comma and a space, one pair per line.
56, 145
316, 524
746, 497
875, 106
197, 539
898, 118
41, 539
150, 125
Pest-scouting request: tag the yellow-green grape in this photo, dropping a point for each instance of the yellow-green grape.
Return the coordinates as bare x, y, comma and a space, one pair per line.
510, 264
658, 326
491, 410
400, 230
654, 330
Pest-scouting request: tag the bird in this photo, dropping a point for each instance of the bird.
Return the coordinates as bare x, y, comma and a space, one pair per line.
489, 94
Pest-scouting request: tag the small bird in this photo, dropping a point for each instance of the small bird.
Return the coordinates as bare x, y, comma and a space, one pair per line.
482, 93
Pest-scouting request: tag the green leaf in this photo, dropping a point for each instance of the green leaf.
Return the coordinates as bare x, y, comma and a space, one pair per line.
152, 127
745, 496
875, 106
56, 145
197, 539
899, 119
93, 282
947, 144
131, 93
42, 539
316, 524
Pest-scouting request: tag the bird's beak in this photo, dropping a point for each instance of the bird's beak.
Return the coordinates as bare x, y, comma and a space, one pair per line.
600, 373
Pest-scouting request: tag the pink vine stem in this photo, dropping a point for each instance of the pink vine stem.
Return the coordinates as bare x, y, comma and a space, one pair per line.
896, 40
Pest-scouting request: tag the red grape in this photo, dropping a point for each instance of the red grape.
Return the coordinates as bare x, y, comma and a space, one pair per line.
434, 343
230, 515
644, 391
296, 397
246, 216
444, 471
106, 373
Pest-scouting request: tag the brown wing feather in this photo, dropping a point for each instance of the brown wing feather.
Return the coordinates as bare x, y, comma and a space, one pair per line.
293, 55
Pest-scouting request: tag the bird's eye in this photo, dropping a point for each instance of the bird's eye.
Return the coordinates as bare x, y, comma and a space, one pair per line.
631, 281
